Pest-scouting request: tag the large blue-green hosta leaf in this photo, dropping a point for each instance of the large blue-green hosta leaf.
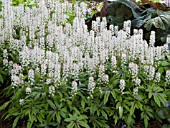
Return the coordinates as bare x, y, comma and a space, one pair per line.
121, 10
162, 21
136, 10
138, 22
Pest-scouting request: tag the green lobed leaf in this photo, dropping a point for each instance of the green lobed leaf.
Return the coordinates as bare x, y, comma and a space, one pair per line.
69, 119
164, 63
115, 117
84, 124
120, 111
83, 104
1, 79
156, 99
51, 104
104, 114
29, 124
106, 97
70, 125
50, 116
150, 95
161, 114
161, 70
40, 119
58, 117
146, 118
15, 122
139, 106
113, 94
130, 120
4, 105
132, 109
162, 98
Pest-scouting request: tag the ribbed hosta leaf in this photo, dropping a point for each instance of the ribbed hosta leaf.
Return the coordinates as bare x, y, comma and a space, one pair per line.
162, 21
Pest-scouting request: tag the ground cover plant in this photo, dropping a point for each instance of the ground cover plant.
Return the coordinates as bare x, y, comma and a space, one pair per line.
57, 73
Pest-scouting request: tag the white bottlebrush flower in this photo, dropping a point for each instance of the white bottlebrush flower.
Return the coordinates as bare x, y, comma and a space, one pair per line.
146, 69
105, 78
122, 85
101, 71
15, 80
113, 61
21, 77
24, 55
91, 84
152, 39
21, 101
48, 81
167, 75
5, 54
28, 90
123, 58
158, 76
51, 90
31, 76
137, 82
151, 72
135, 91
43, 69
74, 86
133, 69
10, 64
16, 69
5, 62
37, 70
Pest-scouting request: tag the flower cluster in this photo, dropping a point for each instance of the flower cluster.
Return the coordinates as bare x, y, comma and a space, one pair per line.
74, 87
17, 75
122, 85
133, 69
168, 75
5, 56
54, 49
91, 84
51, 90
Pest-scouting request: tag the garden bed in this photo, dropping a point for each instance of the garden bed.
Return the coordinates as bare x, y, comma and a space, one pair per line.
57, 72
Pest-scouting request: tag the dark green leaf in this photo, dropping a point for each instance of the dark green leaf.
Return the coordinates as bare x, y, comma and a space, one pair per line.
106, 97
84, 124
51, 104
15, 122
1, 79
70, 125
120, 112
4, 105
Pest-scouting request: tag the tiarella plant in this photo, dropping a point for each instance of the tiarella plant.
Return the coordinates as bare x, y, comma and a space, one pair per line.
62, 75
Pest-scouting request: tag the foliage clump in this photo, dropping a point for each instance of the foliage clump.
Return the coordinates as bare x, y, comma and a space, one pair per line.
58, 74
